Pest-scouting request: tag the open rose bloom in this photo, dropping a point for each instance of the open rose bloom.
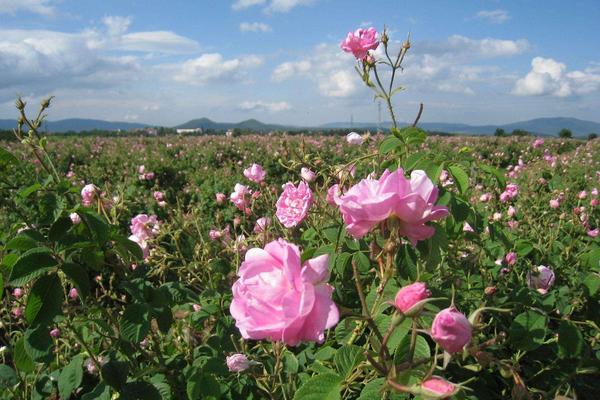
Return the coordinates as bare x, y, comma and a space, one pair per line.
279, 299
372, 201
360, 42
293, 204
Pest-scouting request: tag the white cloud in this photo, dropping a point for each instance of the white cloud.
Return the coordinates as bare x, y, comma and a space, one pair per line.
494, 16
116, 25
550, 77
212, 66
241, 4
258, 105
287, 70
254, 27
340, 83
282, 6
457, 45
42, 7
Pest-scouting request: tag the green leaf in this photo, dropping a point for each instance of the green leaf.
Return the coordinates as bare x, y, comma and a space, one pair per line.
30, 265
570, 340
523, 247
8, 377
592, 284
100, 392
135, 322
362, 261
421, 349
412, 160
38, 344
22, 360
44, 301
21, 242
28, 191
494, 172
115, 373
460, 177
78, 276
70, 377
202, 386
528, 330
320, 387
96, 224
347, 358
139, 390
128, 248
6, 157
1, 286
413, 135
389, 144
59, 228
290, 363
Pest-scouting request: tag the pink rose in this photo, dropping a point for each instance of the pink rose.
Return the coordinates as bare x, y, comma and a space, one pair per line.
360, 42
554, 203
293, 204
55, 333
484, 198
75, 218
158, 196
582, 195
17, 293
451, 330
307, 175
143, 245
262, 224
537, 143
541, 280
220, 197
279, 299
468, 228
438, 388
73, 295
255, 173
88, 194
511, 211
354, 138
371, 201
408, 299
593, 232
511, 258
239, 196
144, 226
331, 193
237, 362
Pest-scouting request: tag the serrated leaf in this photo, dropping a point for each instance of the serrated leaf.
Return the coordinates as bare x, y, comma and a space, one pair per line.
44, 301
38, 344
139, 390
100, 392
59, 228
389, 144
115, 373
78, 276
96, 224
21, 242
70, 377
22, 360
347, 358
320, 387
570, 340
422, 349
528, 330
6, 157
135, 322
460, 178
8, 377
30, 265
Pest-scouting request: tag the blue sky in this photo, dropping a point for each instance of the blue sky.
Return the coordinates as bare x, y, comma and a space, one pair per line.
279, 61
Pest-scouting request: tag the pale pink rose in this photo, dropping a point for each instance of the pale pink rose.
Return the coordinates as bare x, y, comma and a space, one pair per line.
467, 227
17, 312
511, 258
307, 175
237, 362
594, 202
75, 218
593, 232
293, 204
214, 234
262, 224
512, 224
55, 333
141, 169
537, 143
143, 245
196, 307
158, 196
88, 194
582, 195
220, 197
595, 192
511, 211
255, 173
354, 138
360, 42
497, 216
331, 193
409, 299
484, 198
554, 203
510, 192
73, 295
451, 330
371, 201
541, 280
17, 293
444, 176
144, 226
240, 195
436, 387
279, 299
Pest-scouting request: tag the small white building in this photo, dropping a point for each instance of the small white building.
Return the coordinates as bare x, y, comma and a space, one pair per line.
189, 130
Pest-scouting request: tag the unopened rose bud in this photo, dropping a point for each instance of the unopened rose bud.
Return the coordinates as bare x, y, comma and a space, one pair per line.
490, 290
237, 362
55, 333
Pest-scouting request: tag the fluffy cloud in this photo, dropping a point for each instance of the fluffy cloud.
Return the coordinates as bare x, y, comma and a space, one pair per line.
254, 27
494, 16
258, 105
211, 67
42, 7
550, 77
461, 46
282, 6
287, 70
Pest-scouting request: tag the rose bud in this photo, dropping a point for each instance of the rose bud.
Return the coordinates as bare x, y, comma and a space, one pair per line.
541, 280
409, 299
438, 388
451, 330
237, 362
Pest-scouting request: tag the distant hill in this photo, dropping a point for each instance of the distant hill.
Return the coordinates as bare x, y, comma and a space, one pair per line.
249, 124
77, 125
538, 126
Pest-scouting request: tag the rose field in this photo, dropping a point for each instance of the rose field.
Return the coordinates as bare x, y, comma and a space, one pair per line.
396, 265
